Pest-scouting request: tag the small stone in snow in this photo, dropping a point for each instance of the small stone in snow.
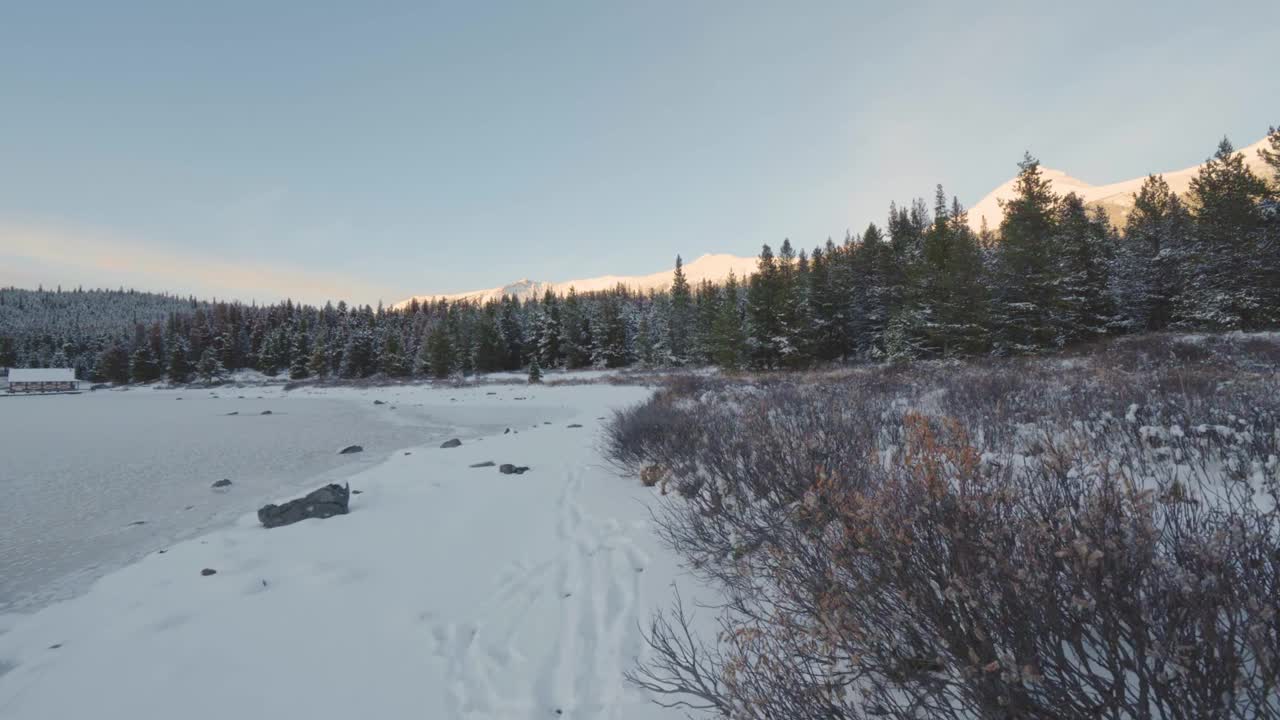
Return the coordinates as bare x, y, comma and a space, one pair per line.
208, 571
507, 431
356, 492
455, 442
265, 412
222, 483
575, 425
509, 469
378, 402
491, 393
234, 412
55, 646
137, 522
486, 463
348, 450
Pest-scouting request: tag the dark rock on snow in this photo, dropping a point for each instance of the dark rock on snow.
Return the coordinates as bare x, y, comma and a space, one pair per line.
509, 469
455, 442
507, 431
208, 571
356, 492
575, 425
486, 463
378, 402
265, 412
234, 412
222, 483
135, 523
348, 450
326, 502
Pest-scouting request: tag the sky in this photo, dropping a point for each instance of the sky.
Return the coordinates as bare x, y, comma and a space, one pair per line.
372, 151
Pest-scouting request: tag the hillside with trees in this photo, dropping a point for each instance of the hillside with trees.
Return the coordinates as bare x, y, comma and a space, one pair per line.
922, 285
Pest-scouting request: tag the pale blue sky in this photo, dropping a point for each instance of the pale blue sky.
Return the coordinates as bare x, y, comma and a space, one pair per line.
375, 150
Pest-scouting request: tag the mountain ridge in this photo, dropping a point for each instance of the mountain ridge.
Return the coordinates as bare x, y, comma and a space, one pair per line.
709, 266
1115, 198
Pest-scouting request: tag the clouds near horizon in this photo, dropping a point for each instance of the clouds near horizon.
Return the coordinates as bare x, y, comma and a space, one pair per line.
50, 254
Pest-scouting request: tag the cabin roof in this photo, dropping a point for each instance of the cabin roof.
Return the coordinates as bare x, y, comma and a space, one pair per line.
41, 375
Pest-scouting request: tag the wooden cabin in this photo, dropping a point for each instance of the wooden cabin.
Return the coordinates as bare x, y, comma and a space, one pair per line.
42, 380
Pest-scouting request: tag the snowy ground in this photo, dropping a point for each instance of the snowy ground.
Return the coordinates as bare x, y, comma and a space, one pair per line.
448, 592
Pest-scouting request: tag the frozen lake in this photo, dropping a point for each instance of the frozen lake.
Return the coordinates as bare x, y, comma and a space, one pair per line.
77, 472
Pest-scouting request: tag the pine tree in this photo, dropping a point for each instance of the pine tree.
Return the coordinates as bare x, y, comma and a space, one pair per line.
513, 334
489, 347
681, 319
1229, 284
112, 365
765, 294
441, 351
318, 362
179, 369
1147, 269
1081, 244
729, 339
645, 345
869, 263
610, 349
393, 361
144, 366
797, 315
1024, 282
548, 331
535, 371
358, 359
1271, 156
210, 368
830, 329
300, 356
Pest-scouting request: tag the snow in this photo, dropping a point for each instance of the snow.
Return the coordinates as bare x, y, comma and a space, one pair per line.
714, 267
448, 592
1116, 197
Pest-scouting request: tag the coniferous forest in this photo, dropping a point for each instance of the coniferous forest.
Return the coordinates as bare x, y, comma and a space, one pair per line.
922, 285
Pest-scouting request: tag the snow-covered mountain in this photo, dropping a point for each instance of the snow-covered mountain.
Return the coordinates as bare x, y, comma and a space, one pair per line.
707, 267
1115, 198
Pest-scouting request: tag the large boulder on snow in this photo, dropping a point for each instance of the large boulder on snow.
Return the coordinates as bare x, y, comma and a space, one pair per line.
326, 502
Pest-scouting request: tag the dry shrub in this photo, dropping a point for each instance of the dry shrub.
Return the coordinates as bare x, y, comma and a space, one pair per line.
652, 475
1016, 540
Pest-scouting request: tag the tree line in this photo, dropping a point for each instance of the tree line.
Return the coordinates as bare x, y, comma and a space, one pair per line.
924, 285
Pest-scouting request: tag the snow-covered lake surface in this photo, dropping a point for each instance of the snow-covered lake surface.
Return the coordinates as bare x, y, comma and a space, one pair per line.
448, 592
79, 470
